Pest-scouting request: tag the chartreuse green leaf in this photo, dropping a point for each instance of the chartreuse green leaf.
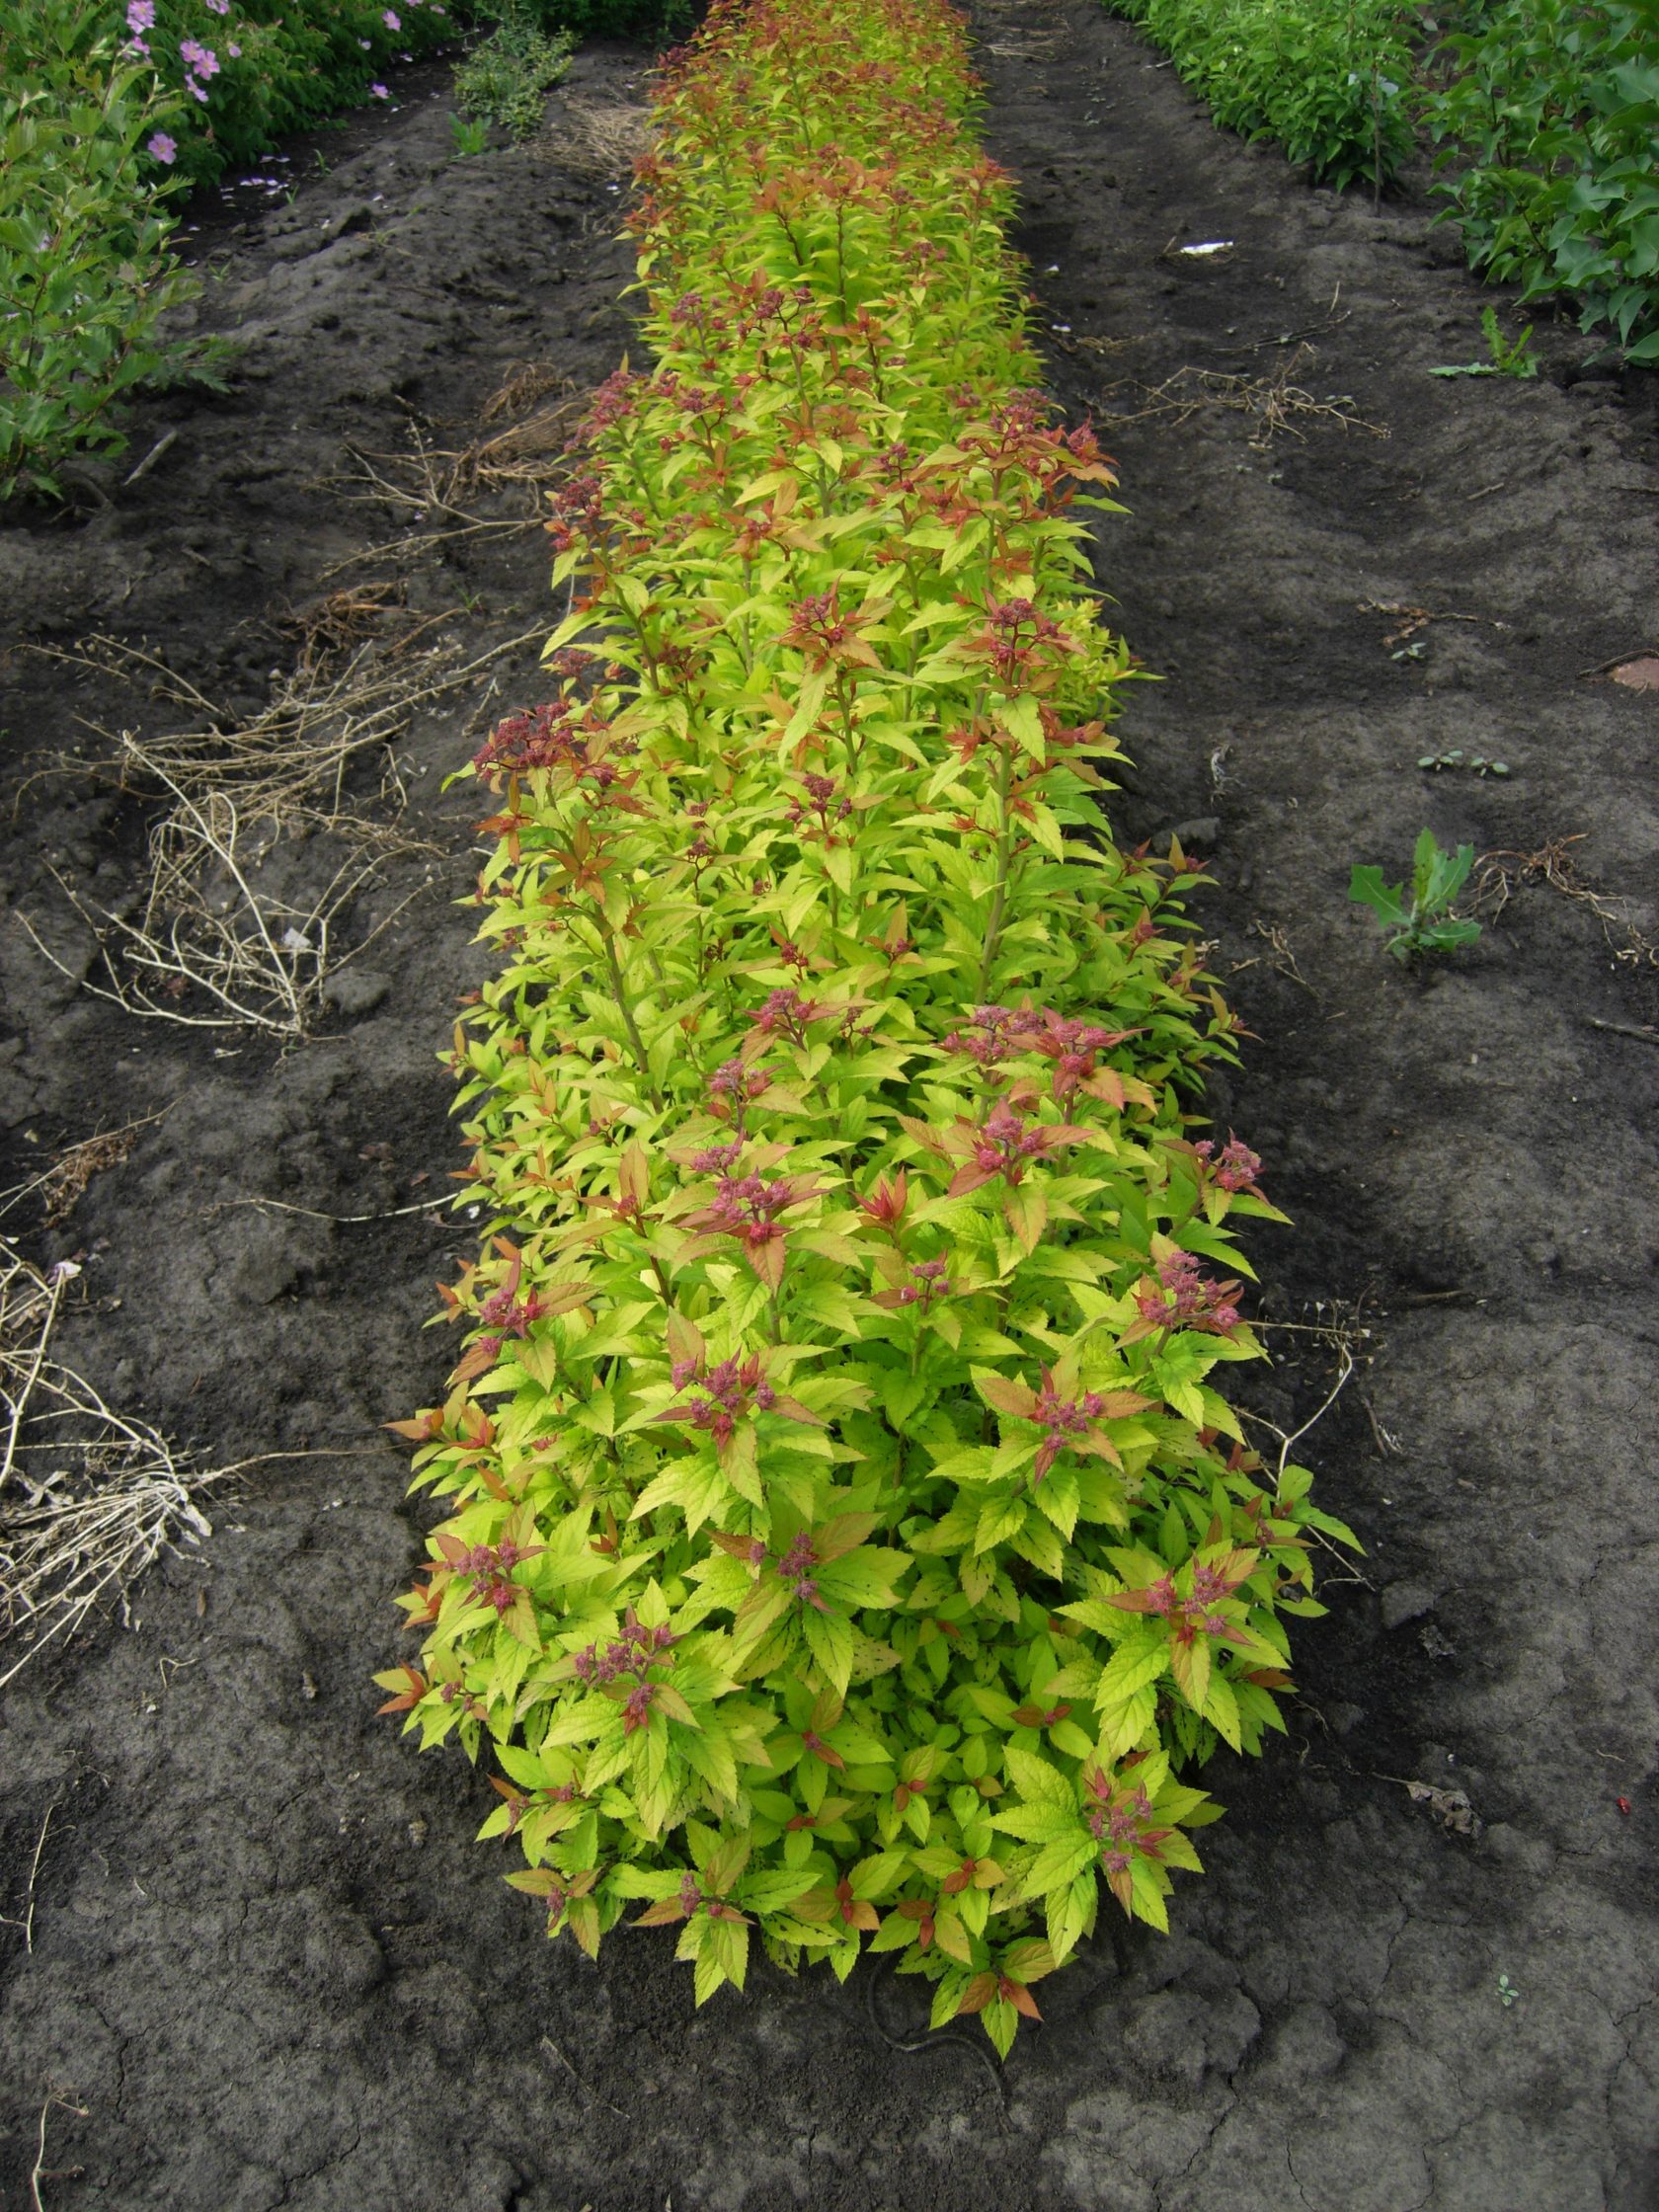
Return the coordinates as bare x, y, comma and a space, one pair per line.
845, 1532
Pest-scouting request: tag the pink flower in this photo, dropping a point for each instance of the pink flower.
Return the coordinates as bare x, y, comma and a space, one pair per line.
195, 91
234, 50
202, 60
379, 92
162, 148
219, 7
391, 21
140, 15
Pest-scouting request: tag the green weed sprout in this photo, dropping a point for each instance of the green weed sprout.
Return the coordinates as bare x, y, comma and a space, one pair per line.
1508, 357
1427, 925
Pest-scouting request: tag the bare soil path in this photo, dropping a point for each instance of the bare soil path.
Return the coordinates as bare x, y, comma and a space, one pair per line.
266, 1967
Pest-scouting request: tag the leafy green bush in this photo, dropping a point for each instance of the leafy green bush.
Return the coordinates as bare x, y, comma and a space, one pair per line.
1330, 84
1550, 124
507, 77
106, 105
244, 71
85, 270
845, 1538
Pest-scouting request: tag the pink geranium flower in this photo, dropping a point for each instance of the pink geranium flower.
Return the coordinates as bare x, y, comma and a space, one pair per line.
162, 148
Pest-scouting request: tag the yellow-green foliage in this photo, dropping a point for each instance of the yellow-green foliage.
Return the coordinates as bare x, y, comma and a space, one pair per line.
846, 1540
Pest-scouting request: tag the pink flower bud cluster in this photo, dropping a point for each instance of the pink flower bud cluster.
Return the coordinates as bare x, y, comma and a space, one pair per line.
728, 1393
1187, 1299
1237, 1167
631, 1653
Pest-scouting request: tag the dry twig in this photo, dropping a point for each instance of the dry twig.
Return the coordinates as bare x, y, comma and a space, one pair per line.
216, 939
435, 489
1415, 618
1347, 1335
1284, 959
60, 2102
1555, 864
1274, 402
64, 1183
27, 1923
88, 1498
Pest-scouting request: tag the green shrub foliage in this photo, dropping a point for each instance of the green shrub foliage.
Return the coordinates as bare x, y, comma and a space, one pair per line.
86, 275
846, 1542
507, 77
1330, 84
1549, 115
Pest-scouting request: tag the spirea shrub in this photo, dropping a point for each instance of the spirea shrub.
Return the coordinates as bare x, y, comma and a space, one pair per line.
846, 1542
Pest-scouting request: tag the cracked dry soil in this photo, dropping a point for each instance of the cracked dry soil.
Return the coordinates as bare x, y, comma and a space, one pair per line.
268, 1967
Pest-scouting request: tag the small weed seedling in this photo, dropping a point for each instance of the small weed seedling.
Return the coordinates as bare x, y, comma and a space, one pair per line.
470, 137
1507, 359
1507, 1992
1427, 925
1459, 758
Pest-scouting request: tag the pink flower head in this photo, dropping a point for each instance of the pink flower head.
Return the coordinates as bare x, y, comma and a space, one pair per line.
140, 16
379, 92
1237, 1167
162, 148
219, 7
234, 50
202, 60
391, 21
1186, 1298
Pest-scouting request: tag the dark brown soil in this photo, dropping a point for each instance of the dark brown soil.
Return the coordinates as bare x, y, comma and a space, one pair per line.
269, 1966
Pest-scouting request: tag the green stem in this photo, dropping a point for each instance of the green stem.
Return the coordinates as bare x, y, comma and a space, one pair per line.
619, 993
999, 898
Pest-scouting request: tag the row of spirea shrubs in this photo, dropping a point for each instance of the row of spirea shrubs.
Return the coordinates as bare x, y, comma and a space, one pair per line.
847, 1541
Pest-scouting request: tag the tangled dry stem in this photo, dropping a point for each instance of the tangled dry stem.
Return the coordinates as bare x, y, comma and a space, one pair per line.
1277, 404
445, 494
1342, 1330
89, 1498
1556, 865
208, 944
